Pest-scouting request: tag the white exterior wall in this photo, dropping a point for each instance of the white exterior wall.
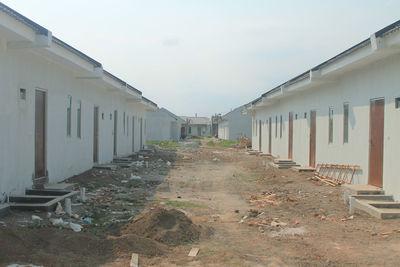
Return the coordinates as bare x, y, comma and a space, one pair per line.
199, 130
234, 124
357, 87
223, 130
66, 156
162, 127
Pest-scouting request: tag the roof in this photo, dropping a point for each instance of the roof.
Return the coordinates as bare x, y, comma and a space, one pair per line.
223, 117
197, 120
305, 75
172, 114
40, 30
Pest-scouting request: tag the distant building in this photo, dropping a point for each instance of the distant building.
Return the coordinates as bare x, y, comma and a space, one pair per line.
196, 126
234, 124
163, 125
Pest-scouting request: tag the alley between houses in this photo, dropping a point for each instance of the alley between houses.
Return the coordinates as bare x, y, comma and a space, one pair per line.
233, 206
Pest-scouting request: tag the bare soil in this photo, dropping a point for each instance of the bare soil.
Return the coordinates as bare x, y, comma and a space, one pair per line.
259, 216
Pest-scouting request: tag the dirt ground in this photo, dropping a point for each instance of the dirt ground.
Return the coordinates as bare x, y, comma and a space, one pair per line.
231, 205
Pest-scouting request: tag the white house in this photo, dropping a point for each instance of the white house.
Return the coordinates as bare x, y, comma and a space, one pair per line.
163, 125
196, 126
60, 112
344, 111
234, 124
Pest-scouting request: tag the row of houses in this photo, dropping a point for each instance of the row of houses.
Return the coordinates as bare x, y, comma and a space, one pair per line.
165, 125
60, 111
346, 110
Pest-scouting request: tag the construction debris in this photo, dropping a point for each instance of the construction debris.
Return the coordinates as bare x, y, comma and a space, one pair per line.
134, 260
335, 174
193, 252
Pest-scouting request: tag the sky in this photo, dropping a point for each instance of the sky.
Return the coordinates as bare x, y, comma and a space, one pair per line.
209, 56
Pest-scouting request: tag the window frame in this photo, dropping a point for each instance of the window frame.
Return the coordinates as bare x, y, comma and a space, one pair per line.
346, 113
330, 125
79, 119
69, 115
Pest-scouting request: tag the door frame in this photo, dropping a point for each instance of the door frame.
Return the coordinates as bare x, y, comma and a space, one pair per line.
290, 137
42, 179
313, 150
270, 135
133, 133
370, 166
259, 135
96, 122
115, 152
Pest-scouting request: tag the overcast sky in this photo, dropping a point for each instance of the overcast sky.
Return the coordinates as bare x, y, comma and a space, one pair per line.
209, 56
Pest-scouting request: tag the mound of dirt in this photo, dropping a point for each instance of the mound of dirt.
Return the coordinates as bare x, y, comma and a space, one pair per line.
171, 227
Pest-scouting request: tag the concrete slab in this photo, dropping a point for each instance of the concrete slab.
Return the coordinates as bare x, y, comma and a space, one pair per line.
4, 209
381, 213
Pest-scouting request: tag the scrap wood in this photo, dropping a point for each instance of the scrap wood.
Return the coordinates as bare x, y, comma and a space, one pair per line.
134, 260
193, 252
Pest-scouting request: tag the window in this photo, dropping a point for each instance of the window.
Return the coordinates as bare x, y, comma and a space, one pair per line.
345, 123
295, 116
331, 125
281, 128
22, 94
276, 126
397, 102
190, 130
305, 115
78, 119
127, 125
69, 105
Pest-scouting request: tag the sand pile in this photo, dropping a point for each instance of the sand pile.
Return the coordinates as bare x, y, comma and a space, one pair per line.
171, 227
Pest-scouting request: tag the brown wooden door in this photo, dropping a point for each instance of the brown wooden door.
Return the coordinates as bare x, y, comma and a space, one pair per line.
40, 134
115, 132
259, 135
270, 136
376, 124
313, 133
290, 153
133, 134
96, 134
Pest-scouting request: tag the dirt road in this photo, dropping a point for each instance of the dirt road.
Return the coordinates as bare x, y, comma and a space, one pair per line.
259, 216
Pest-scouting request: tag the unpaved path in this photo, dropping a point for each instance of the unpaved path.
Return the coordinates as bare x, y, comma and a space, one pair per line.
304, 223
291, 220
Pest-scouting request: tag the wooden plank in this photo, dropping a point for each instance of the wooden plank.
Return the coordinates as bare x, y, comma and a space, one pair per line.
193, 252
134, 260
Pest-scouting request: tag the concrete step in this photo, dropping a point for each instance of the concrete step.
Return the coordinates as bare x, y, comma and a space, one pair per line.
377, 197
105, 166
278, 166
304, 169
384, 204
379, 209
59, 186
4, 209
282, 160
39, 202
362, 189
